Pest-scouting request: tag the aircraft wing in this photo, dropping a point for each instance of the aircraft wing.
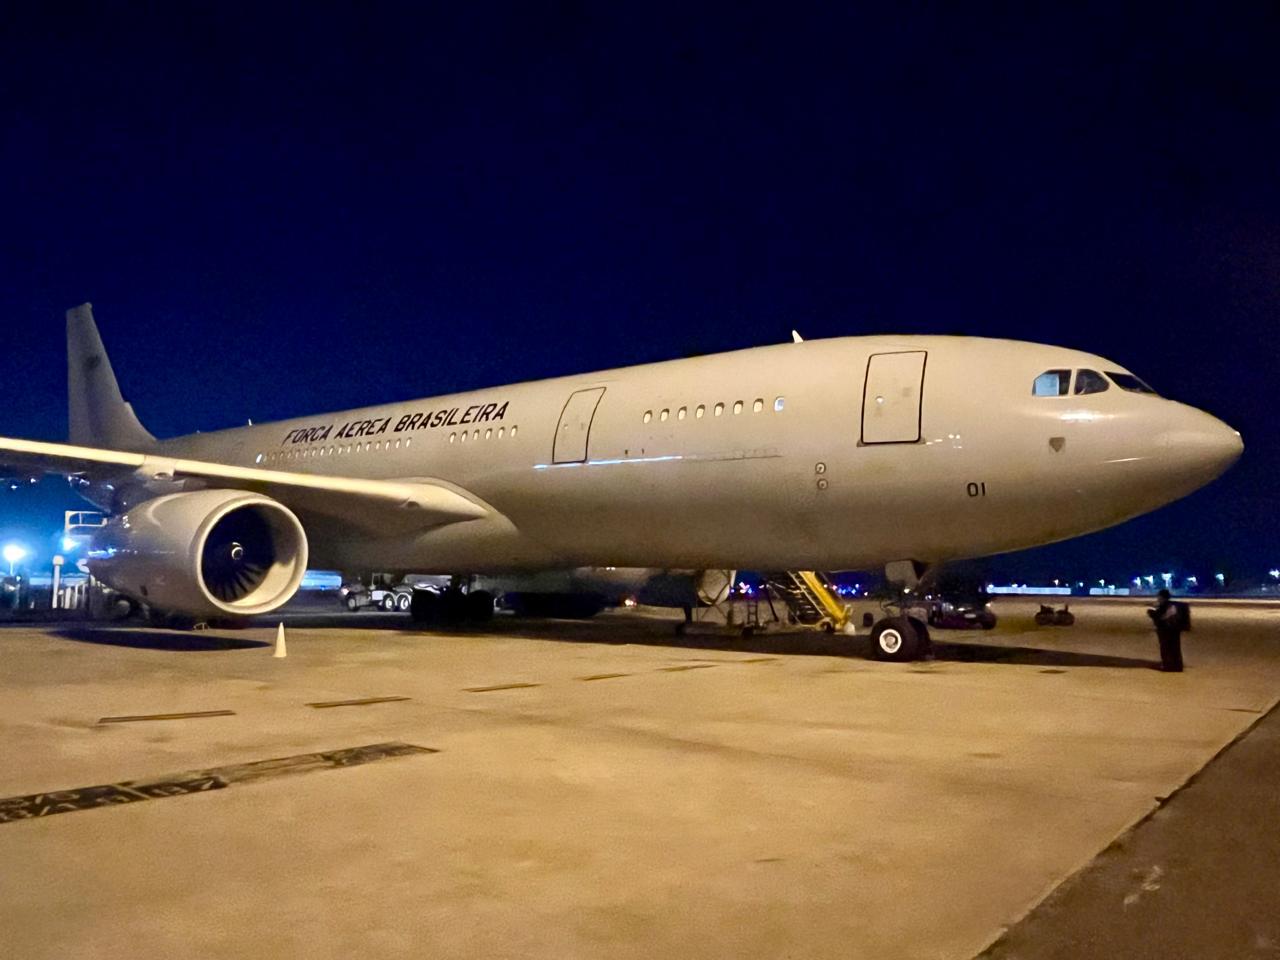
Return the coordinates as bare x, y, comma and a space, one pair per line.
376, 505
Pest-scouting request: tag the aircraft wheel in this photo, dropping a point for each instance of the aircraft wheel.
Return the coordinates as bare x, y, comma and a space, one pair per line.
424, 607
922, 634
480, 606
454, 607
894, 639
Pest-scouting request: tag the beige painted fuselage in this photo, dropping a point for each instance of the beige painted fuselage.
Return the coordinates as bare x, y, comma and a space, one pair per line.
830, 454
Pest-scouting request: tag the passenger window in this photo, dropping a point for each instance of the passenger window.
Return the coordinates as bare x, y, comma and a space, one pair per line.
719, 409
502, 430
682, 413
463, 437
737, 407
1127, 381
663, 415
488, 433
778, 404
513, 432
701, 411
1052, 383
258, 459
757, 406
648, 415
1090, 381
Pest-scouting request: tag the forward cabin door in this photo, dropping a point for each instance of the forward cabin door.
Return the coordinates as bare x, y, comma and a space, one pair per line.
891, 397
570, 445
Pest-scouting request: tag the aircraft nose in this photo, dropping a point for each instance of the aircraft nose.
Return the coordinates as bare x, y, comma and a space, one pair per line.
1201, 444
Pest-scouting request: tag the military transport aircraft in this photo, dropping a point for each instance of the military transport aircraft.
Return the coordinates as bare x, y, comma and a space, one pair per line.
849, 453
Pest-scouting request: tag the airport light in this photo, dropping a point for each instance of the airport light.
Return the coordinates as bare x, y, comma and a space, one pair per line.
1275, 574
69, 544
14, 553
1221, 578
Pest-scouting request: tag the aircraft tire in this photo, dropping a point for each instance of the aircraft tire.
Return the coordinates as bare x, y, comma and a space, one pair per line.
894, 639
424, 607
480, 606
922, 635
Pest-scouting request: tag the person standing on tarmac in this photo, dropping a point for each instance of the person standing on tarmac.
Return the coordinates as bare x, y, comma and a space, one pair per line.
1170, 619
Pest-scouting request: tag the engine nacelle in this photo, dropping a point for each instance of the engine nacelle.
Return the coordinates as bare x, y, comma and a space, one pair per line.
207, 552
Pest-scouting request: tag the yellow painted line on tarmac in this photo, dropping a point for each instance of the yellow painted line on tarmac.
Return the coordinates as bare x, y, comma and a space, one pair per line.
169, 716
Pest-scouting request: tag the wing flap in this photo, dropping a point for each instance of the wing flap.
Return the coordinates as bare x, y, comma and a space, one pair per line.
362, 502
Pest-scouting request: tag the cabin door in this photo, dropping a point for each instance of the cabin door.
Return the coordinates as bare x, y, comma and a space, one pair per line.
570, 445
891, 397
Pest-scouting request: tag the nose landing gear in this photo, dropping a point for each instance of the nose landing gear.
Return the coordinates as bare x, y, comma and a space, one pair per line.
901, 637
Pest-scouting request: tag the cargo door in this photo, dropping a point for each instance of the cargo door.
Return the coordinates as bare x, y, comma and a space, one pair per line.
570, 445
891, 397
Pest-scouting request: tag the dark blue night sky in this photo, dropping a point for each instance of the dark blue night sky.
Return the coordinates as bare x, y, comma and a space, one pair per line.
307, 208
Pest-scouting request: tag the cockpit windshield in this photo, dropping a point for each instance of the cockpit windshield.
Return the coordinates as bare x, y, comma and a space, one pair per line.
1090, 381
1127, 381
1058, 383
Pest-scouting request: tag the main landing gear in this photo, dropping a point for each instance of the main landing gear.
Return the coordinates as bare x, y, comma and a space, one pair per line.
451, 607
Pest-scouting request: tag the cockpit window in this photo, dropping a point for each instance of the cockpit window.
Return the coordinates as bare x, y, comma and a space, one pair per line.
1127, 381
1090, 381
1051, 383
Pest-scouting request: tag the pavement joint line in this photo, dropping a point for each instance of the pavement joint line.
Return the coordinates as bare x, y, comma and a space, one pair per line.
500, 686
194, 715
325, 704
687, 666
756, 660
38, 805
1160, 803
604, 676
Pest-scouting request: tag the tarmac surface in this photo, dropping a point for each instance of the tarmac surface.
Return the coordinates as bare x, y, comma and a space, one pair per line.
605, 789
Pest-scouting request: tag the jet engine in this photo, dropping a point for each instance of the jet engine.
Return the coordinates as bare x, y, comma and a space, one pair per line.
206, 552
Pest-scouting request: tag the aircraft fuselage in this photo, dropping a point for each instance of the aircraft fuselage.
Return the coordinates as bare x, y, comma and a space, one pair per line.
830, 454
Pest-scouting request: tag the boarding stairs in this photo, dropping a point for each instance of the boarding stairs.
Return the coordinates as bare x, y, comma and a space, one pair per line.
810, 596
